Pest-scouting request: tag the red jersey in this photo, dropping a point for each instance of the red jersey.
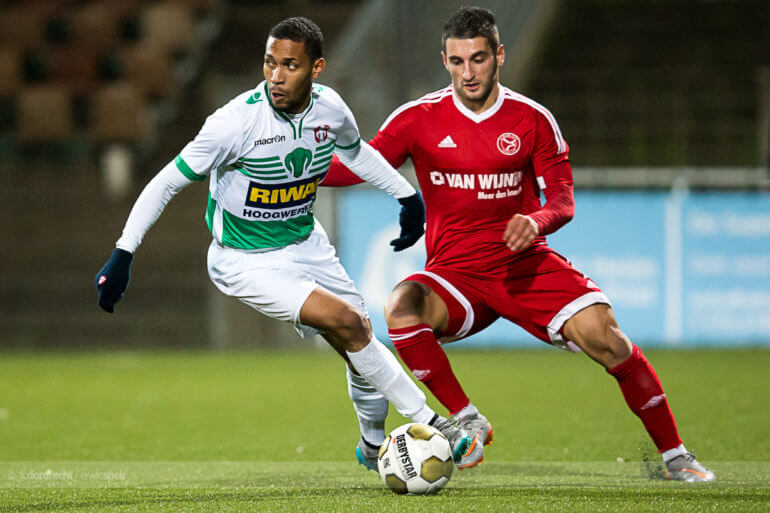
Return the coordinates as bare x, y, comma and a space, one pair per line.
476, 171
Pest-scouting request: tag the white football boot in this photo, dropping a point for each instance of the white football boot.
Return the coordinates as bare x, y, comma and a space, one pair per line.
467, 452
476, 424
686, 468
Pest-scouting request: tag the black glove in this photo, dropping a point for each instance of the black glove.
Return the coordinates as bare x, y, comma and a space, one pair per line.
112, 279
412, 221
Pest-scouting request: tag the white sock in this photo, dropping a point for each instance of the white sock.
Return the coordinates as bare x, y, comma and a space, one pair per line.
673, 453
469, 411
371, 408
380, 368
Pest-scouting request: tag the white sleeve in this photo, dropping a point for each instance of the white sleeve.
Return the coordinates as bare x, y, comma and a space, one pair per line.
348, 136
367, 163
150, 204
215, 145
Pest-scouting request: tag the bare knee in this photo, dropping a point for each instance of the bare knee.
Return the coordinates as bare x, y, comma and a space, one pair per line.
406, 305
597, 333
341, 324
350, 328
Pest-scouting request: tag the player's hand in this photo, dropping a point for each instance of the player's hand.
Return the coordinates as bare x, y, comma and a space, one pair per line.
412, 221
520, 232
112, 279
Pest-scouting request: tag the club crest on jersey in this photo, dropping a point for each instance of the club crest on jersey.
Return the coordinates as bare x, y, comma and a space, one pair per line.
321, 133
508, 143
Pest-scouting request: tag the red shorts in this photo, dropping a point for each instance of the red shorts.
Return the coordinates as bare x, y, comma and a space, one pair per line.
539, 291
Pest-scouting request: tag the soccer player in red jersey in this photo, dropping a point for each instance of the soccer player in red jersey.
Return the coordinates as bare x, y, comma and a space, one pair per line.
483, 154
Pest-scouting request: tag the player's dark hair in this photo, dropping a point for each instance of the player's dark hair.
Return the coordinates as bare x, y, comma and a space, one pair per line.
470, 22
301, 30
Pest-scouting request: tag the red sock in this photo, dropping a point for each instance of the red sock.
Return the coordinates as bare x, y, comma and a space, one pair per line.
418, 348
644, 395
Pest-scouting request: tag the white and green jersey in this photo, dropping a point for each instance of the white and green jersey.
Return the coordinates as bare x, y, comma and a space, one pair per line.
265, 165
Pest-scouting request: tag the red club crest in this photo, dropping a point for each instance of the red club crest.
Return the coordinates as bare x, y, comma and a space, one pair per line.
321, 133
508, 143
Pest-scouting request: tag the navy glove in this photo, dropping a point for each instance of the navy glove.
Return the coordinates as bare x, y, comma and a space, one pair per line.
412, 221
112, 279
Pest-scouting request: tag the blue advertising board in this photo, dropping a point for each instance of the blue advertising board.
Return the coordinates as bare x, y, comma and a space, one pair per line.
680, 269
726, 268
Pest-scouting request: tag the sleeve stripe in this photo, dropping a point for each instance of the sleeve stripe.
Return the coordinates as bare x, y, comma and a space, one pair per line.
186, 170
562, 146
349, 147
434, 97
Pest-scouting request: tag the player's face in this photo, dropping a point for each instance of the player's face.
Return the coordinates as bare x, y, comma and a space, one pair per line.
473, 65
289, 73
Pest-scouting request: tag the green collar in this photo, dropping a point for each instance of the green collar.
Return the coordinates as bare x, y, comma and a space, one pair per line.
296, 129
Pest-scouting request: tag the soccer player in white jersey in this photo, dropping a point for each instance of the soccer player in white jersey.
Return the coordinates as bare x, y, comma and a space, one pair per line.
265, 153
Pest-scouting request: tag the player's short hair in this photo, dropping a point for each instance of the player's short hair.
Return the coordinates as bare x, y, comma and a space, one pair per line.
470, 22
301, 30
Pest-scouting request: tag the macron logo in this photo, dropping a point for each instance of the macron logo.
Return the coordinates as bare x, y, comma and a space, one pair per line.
421, 374
447, 142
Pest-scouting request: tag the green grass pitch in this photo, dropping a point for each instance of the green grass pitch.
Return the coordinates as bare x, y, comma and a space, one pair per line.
275, 431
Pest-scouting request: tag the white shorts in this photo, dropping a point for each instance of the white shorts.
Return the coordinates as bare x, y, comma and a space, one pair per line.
277, 283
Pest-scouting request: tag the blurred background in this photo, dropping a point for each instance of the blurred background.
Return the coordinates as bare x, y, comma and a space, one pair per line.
665, 106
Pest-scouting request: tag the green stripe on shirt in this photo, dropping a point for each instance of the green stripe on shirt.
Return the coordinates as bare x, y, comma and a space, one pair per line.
245, 234
350, 147
186, 170
211, 208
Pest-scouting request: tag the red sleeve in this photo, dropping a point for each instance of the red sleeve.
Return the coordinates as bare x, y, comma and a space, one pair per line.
340, 176
550, 161
392, 141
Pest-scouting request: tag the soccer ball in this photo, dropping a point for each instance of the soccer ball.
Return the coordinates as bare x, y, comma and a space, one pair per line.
415, 459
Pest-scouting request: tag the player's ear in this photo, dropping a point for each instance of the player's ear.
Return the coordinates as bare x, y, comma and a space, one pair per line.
500, 55
319, 65
443, 59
